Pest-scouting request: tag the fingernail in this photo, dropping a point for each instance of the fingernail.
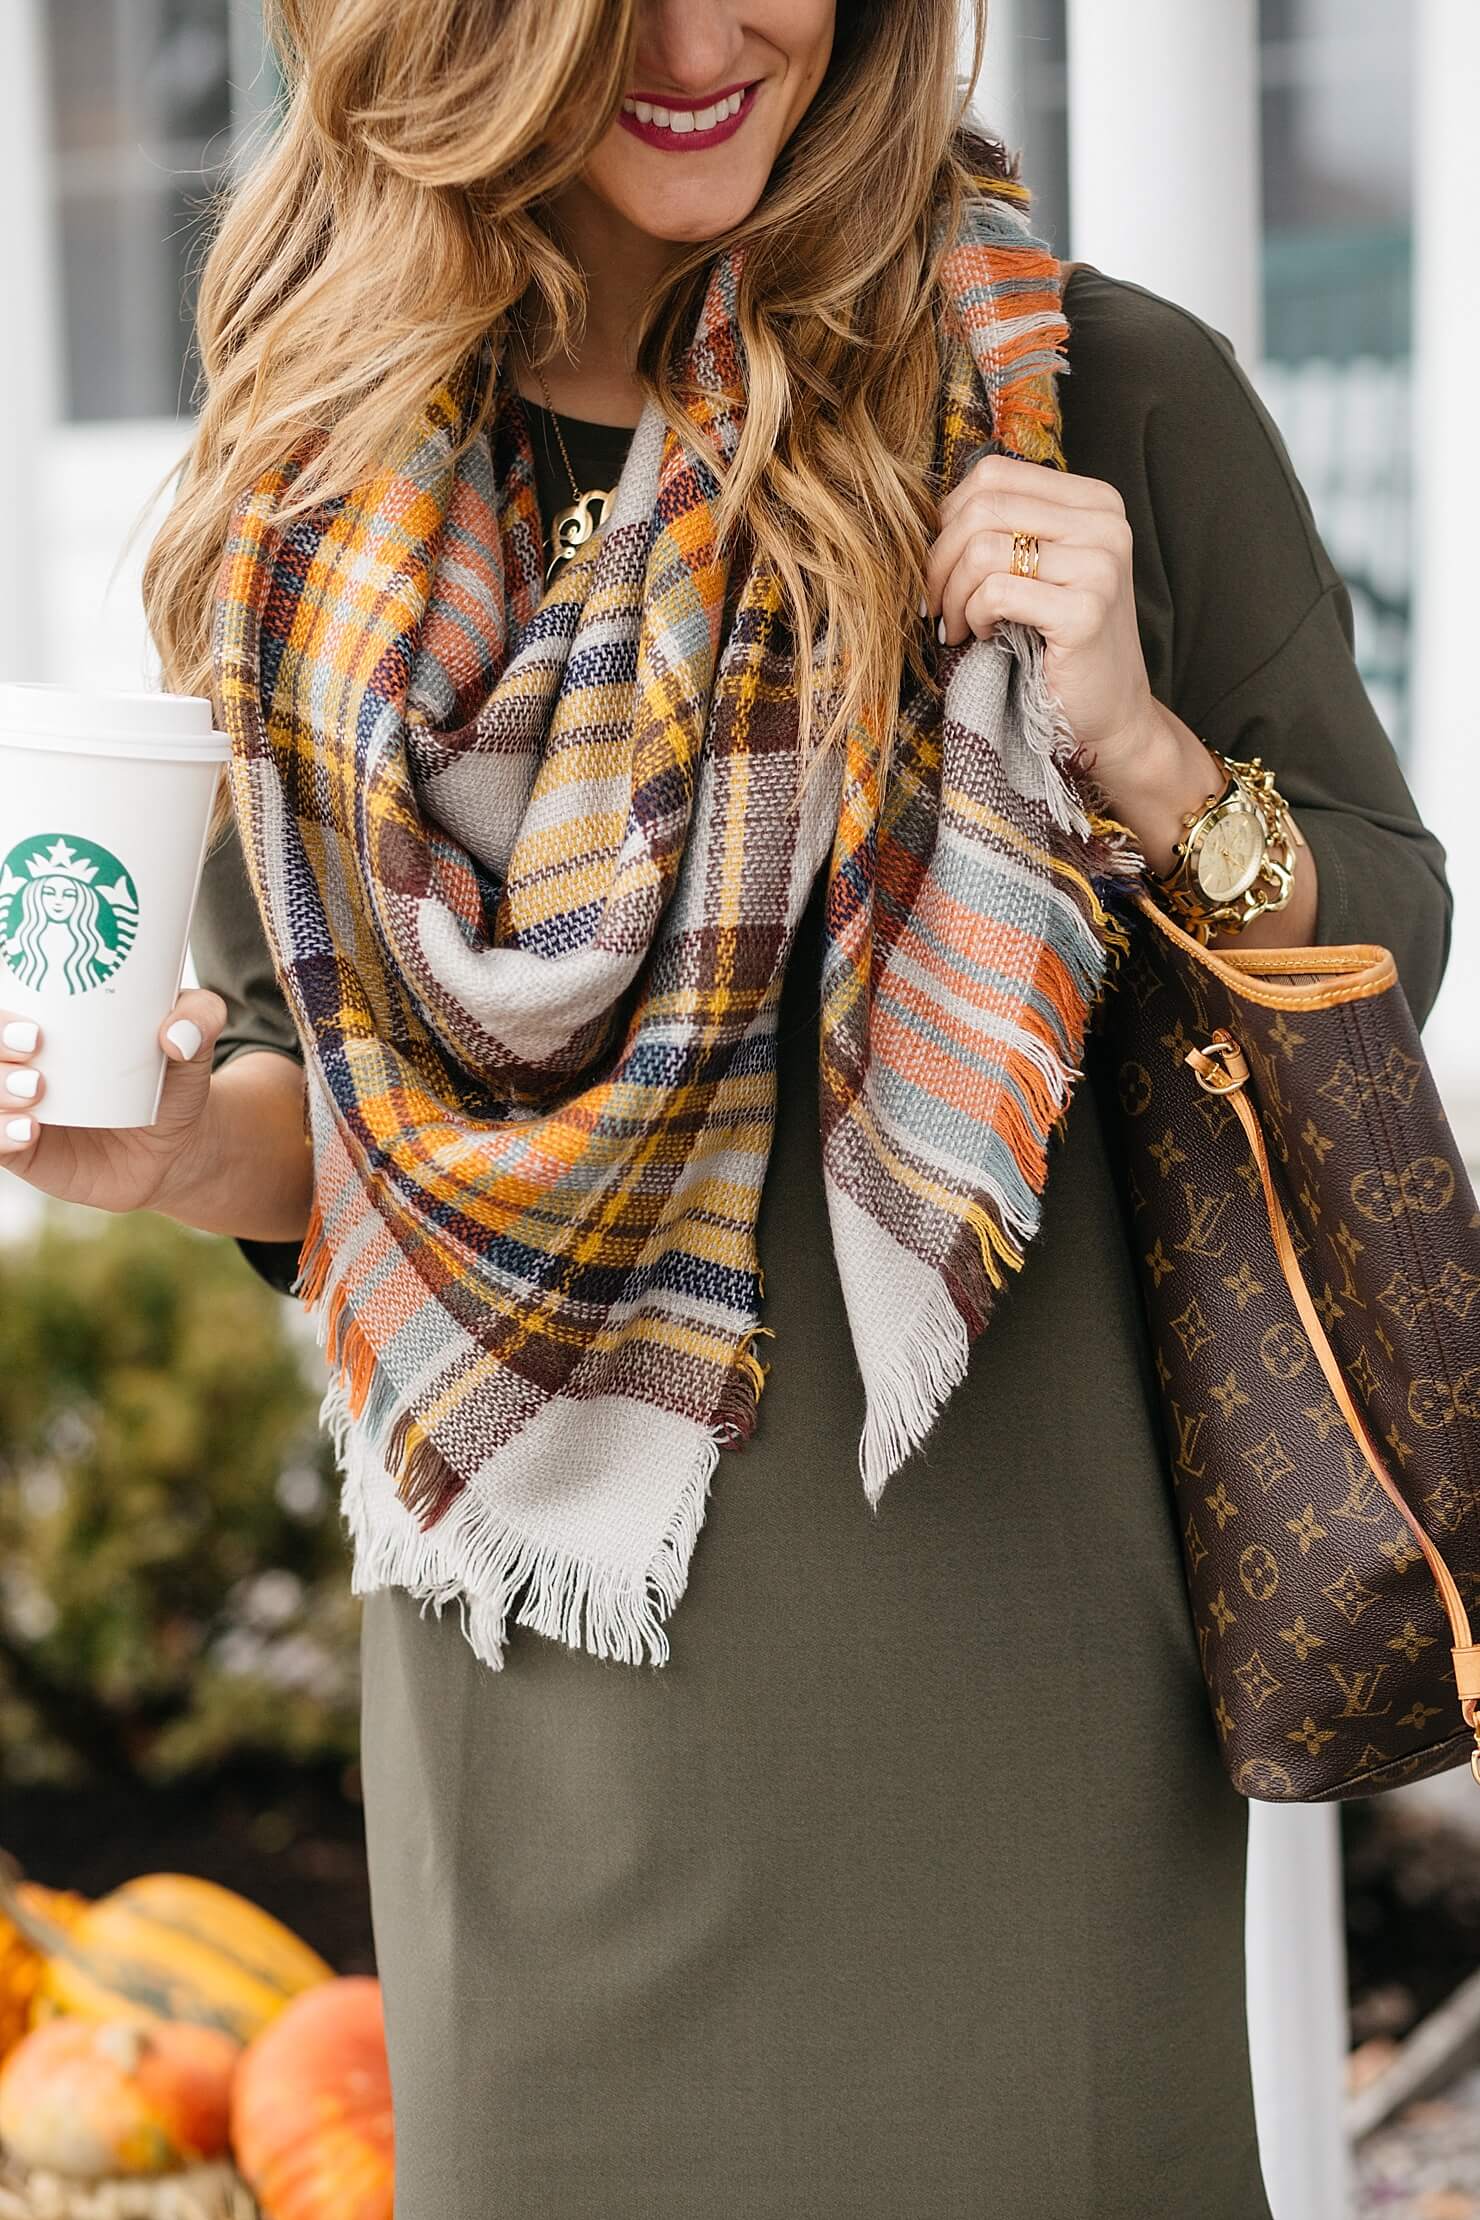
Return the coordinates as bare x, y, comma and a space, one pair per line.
22, 1084
940, 632
19, 1129
186, 1036
924, 606
21, 1034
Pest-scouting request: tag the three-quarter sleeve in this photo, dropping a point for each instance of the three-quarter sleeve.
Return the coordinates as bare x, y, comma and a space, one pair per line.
1245, 621
1380, 872
231, 957
230, 953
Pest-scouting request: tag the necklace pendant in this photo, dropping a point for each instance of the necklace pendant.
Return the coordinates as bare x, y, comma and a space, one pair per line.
572, 526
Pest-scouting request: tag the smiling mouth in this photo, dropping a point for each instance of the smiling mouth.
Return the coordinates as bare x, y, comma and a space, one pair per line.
660, 123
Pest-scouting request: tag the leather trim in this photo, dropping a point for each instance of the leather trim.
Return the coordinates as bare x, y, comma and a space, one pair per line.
1259, 975
1466, 1654
1433, 1757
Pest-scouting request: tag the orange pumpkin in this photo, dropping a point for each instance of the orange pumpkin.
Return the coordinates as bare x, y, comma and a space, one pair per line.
91, 2098
311, 2107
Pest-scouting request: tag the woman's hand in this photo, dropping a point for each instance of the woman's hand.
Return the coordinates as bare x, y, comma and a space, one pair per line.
1152, 769
1082, 600
111, 1168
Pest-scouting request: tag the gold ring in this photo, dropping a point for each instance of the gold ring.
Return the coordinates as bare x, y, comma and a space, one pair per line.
1025, 554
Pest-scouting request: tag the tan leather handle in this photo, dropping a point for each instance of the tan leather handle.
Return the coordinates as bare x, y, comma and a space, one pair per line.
1222, 1069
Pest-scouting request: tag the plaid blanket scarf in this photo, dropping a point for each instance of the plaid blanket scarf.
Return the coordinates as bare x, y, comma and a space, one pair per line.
530, 863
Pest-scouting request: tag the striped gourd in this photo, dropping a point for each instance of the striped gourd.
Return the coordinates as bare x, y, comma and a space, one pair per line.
168, 1946
22, 1964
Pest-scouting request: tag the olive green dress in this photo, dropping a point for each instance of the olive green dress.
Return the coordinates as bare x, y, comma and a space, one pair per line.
911, 1887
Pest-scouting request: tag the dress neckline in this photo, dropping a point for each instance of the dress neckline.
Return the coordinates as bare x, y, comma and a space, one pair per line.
581, 423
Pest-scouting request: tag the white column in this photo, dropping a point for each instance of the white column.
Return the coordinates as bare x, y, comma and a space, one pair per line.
998, 102
1296, 1952
1164, 152
253, 75
1164, 185
30, 359
1446, 688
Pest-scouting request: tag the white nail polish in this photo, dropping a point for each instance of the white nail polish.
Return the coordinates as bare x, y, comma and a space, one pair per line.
940, 632
186, 1036
21, 1035
924, 606
19, 1129
22, 1084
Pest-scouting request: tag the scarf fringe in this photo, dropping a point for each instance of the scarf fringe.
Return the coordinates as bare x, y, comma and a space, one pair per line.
502, 1575
557, 1593
906, 1392
1026, 346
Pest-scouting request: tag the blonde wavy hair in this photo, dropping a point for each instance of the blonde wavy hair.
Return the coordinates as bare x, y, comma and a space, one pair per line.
396, 214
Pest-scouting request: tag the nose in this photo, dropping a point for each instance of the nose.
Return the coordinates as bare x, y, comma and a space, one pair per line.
687, 48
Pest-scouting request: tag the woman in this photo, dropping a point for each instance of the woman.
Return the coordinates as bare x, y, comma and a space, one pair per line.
912, 1883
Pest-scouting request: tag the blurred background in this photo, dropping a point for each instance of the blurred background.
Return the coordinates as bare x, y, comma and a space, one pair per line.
177, 1643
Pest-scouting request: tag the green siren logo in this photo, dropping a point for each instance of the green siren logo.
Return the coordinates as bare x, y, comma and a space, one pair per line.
68, 912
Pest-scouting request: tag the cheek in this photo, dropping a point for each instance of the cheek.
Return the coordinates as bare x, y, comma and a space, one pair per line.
802, 32
613, 171
818, 49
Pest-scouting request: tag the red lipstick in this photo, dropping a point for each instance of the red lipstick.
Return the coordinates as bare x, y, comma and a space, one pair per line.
688, 142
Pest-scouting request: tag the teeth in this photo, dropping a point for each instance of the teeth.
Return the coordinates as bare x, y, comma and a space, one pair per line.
684, 119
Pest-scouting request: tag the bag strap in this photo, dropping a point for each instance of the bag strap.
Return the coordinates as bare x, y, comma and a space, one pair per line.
1222, 1069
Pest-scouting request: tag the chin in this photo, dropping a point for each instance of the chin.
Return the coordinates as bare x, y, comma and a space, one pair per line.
693, 233
680, 214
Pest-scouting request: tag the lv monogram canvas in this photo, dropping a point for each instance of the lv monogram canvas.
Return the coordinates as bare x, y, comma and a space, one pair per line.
1325, 1645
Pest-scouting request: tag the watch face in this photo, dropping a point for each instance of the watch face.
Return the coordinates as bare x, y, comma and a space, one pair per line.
1230, 855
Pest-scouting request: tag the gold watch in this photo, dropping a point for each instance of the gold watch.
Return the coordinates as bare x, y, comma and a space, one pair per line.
1236, 857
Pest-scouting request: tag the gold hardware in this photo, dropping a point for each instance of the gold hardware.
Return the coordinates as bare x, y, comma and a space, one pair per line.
1470, 1713
1220, 1068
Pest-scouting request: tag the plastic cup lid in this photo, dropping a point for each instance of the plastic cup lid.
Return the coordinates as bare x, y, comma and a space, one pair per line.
127, 722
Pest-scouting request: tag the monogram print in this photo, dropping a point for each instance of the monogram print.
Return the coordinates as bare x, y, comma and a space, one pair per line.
1322, 1640
1259, 1572
1426, 1185
1188, 1429
1454, 1288
1135, 1089
1203, 1215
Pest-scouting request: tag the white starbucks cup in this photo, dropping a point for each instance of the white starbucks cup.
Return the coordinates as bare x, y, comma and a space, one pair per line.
105, 805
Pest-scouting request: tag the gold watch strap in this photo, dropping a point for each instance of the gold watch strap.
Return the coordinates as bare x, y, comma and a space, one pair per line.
1252, 786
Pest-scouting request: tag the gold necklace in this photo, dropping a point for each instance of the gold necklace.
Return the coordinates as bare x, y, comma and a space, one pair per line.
571, 527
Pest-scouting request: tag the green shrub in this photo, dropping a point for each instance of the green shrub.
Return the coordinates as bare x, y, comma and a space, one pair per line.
173, 1576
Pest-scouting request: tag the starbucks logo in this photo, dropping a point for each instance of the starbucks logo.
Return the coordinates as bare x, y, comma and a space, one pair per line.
68, 912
